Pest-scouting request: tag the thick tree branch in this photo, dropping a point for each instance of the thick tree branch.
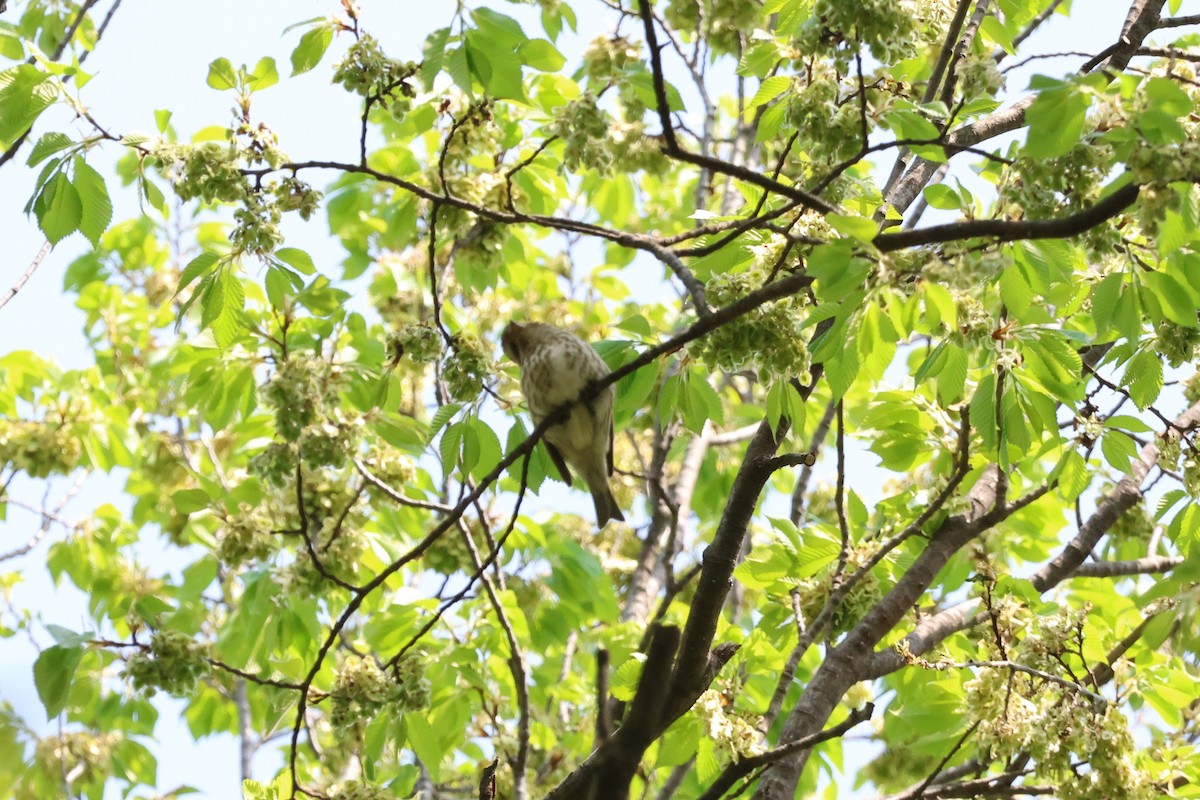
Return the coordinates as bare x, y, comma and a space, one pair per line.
1010, 230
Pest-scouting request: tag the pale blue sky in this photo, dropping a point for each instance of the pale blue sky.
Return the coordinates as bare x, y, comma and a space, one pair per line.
155, 56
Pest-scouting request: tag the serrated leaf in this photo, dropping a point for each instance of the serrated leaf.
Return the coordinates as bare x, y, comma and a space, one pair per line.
224, 308
768, 90
25, 92
433, 55
1125, 422
441, 417
198, 266
1118, 449
59, 209
296, 259
53, 673
449, 447
97, 207
1168, 501
47, 146
1143, 378
953, 376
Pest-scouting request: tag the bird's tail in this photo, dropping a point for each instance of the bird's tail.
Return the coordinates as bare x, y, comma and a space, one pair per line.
606, 506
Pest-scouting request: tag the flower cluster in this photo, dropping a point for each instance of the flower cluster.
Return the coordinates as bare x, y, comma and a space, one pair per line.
722, 23
173, 662
39, 448
297, 392
466, 367
740, 735
771, 339
245, 536
362, 689
1176, 343
366, 70
606, 57
583, 127
888, 28
212, 173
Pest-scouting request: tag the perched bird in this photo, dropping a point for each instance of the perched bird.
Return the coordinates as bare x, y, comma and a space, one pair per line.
556, 366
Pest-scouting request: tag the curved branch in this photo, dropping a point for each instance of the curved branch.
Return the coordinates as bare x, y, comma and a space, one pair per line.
1010, 230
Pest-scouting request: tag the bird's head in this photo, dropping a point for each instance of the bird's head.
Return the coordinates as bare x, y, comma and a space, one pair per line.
512, 341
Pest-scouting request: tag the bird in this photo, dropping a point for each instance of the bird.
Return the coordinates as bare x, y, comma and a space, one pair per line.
556, 367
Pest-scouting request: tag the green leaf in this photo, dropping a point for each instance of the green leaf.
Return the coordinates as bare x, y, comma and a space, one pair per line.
47, 146
939, 306
25, 92
425, 743
909, 124
11, 47
942, 196
296, 259
1143, 378
264, 76
496, 66
440, 418
863, 229
97, 207
504, 30
1174, 298
311, 49
953, 376
59, 209
198, 266
1118, 449
1056, 121
768, 90
162, 118
1166, 96
221, 75
541, 55
700, 402
459, 69
189, 501
1125, 422
449, 447
222, 307
154, 196
983, 410
433, 55
1073, 475
53, 673
758, 60
539, 460
484, 445
1104, 301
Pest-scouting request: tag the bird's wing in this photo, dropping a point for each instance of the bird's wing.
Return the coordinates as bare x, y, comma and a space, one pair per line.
610, 445
559, 462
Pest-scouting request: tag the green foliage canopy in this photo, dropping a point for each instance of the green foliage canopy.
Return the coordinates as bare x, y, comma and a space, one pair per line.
732, 199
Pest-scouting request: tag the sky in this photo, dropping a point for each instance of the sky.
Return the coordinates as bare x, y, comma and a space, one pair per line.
155, 55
